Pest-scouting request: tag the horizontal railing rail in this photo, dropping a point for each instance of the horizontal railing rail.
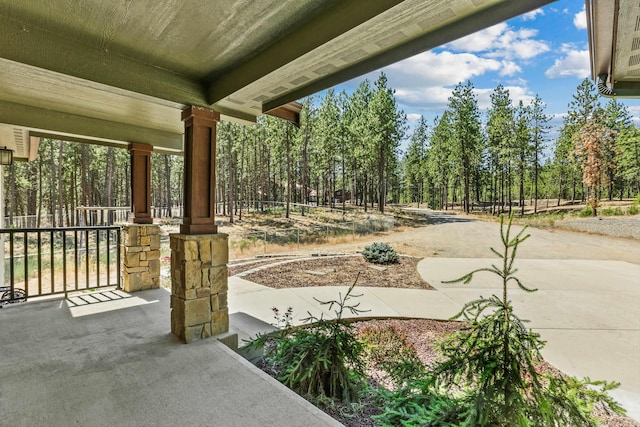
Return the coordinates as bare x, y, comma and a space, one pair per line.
49, 261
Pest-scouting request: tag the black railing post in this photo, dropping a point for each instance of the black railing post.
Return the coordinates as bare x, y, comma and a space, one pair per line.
98, 257
118, 263
11, 268
64, 262
109, 256
76, 261
52, 265
26, 264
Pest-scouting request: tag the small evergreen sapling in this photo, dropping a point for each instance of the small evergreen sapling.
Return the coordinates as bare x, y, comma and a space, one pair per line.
490, 375
495, 360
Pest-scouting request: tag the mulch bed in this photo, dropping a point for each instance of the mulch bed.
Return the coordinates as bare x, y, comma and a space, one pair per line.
341, 271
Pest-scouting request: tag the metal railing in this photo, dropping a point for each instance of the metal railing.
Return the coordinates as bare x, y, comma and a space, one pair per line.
49, 261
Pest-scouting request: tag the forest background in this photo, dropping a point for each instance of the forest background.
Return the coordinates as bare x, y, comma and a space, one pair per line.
347, 150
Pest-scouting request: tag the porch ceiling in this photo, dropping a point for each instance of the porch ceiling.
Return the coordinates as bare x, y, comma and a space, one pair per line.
115, 72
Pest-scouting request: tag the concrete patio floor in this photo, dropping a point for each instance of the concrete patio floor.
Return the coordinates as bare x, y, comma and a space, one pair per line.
116, 364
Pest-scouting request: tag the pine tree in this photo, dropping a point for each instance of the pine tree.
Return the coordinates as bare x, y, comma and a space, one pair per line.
592, 143
387, 127
539, 129
500, 131
414, 162
465, 118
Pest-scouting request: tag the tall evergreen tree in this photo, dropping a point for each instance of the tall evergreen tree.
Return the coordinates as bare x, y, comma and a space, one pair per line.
414, 162
386, 131
539, 130
466, 133
500, 132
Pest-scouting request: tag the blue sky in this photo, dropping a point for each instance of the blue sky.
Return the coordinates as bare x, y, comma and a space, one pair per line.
544, 52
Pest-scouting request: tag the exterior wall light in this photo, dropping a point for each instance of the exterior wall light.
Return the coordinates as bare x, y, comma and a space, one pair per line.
6, 156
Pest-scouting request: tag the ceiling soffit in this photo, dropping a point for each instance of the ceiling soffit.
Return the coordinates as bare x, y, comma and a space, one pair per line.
114, 69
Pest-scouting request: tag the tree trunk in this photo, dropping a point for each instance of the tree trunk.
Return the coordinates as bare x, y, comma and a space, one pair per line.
230, 154
288, 142
167, 177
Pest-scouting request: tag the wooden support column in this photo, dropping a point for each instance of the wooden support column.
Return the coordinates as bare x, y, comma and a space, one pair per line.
140, 183
199, 170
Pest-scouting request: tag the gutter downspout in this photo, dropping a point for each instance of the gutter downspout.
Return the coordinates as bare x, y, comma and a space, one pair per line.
608, 92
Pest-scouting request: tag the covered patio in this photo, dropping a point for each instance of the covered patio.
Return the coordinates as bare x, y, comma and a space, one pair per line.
158, 79
116, 363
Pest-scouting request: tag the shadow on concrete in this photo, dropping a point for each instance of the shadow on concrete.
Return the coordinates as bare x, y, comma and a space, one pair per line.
114, 363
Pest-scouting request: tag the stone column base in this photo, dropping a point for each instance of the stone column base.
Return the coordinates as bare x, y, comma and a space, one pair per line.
199, 285
140, 257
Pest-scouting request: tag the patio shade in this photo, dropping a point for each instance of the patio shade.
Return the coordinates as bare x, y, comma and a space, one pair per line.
114, 72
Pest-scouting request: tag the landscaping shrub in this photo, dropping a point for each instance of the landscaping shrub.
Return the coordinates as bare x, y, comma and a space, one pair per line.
632, 210
488, 374
612, 211
389, 350
322, 360
380, 253
587, 211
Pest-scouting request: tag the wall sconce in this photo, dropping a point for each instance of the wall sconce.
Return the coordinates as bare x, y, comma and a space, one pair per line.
6, 156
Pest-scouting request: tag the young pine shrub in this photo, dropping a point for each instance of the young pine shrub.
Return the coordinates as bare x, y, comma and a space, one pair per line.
380, 253
489, 375
322, 360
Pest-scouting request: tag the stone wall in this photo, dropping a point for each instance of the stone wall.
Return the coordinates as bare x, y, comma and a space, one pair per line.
199, 285
141, 257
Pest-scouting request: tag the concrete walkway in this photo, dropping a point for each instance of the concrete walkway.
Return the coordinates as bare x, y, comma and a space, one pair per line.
116, 364
587, 311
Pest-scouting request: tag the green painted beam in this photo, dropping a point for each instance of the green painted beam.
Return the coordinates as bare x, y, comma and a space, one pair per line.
239, 115
33, 46
55, 121
483, 18
326, 26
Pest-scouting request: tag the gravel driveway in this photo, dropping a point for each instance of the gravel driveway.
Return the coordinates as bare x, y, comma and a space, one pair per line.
458, 236
610, 226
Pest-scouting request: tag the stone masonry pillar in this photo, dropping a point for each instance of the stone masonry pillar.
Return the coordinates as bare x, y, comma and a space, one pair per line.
140, 257
199, 255
199, 286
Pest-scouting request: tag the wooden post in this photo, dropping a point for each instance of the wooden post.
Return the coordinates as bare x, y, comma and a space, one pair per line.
140, 183
199, 170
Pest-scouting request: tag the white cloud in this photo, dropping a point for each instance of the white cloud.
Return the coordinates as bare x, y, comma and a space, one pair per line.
433, 98
531, 16
580, 19
574, 64
502, 41
413, 117
443, 69
479, 41
634, 110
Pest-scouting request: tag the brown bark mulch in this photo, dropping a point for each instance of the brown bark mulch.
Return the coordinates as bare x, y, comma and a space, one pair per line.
341, 271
